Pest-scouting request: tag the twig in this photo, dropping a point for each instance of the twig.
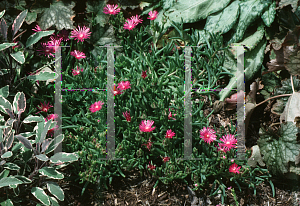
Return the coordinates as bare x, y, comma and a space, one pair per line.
282, 95
292, 83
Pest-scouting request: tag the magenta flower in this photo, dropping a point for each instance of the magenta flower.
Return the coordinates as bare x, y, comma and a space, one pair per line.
234, 168
54, 43
144, 74
78, 54
127, 116
77, 71
152, 15
37, 28
229, 141
148, 144
130, 24
166, 159
51, 131
146, 125
17, 46
151, 167
64, 35
81, 33
208, 135
169, 134
52, 116
136, 19
124, 85
44, 107
111, 9
222, 148
46, 49
170, 115
96, 106
116, 91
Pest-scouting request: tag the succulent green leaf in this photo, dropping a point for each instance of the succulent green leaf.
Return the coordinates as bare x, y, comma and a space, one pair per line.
55, 190
224, 20
7, 154
31, 119
190, 11
43, 76
31, 17
249, 12
54, 143
6, 181
40, 194
34, 38
6, 45
4, 104
59, 14
2, 13
24, 141
19, 103
54, 202
19, 57
18, 22
42, 157
62, 157
7, 202
4, 91
280, 148
11, 166
269, 15
51, 173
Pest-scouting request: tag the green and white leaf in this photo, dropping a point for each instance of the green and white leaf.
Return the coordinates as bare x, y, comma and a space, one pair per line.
43, 76
2, 13
31, 119
54, 201
6, 45
55, 190
54, 143
40, 194
19, 57
62, 157
6, 181
42, 157
4, 91
7, 202
19, 21
34, 38
24, 179
7, 154
11, 166
51, 173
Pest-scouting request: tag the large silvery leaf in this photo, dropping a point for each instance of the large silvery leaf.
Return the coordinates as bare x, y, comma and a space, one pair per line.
62, 157
55, 190
280, 148
31, 17
19, 21
224, 20
40, 194
253, 61
249, 12
19, 57
292, 109
51, 173
190, 11
96, 7
59, 14
4, 91
269, 15
34, 38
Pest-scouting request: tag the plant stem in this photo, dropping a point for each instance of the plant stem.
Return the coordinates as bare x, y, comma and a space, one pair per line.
282, 95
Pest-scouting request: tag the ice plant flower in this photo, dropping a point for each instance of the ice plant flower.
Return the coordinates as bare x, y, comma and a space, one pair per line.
116, 91
208, 135
44, 107
52, 116
18, 45
170, 134
54, 43
166, 159
46, 49
144, 74
127, 116
151, 167
234, 168
77, 71
124, 85
146, 126
64, 35
136, 19
222, 148
229, 141
78, 54
37, 28
152, 15
170, 115
130, 24
96, 106
148, 144
81, 33
111, 9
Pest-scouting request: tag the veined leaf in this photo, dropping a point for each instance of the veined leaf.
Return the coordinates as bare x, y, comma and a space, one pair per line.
40, 194
34, 38
19, 57
31, 17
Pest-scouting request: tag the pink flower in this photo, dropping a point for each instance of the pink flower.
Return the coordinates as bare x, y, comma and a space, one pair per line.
208, 135
229, 188
170, 115
64, 35
44, 107
130, 24
77, 71
52, 116
78, 55
111, 9
81, 33
96, 106
148, 144
152, 15
166, 159
17, 46
234, 168
127, 116
232, 160
151, 167
146, 125
170, 134
116, 91
124, 85
136, 19
54, 43
224, 157
37, 28
196, 185
144, 74
229, 141
45, 50
222, 148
